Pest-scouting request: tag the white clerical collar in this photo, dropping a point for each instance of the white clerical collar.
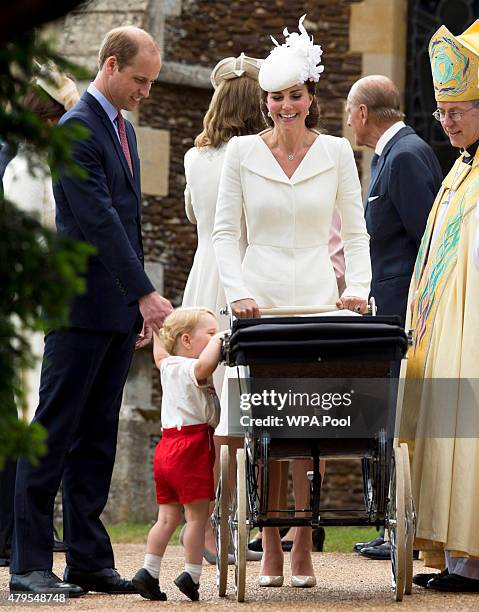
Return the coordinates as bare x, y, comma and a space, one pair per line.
387, 135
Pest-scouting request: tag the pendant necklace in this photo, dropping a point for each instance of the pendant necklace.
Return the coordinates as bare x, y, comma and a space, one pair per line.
290, 156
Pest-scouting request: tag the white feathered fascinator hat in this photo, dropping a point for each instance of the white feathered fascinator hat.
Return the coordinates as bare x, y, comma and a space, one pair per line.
294, 62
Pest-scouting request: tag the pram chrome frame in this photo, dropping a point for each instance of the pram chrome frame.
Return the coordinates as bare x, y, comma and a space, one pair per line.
386, 487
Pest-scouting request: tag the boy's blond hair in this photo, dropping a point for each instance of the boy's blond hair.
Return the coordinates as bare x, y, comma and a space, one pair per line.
180, 321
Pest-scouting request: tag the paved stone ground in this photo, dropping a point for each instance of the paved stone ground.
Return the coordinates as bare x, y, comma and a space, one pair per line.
345, 582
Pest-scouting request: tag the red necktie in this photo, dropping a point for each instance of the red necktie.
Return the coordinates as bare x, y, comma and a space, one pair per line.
124, 140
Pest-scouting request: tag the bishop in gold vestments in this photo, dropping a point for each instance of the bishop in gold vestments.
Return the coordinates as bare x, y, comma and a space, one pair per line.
444, 317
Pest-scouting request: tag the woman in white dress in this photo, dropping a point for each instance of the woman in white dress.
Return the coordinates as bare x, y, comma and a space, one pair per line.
233, 111
286, 182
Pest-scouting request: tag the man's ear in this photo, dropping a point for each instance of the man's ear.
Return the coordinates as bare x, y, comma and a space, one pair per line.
363, 112
110, 64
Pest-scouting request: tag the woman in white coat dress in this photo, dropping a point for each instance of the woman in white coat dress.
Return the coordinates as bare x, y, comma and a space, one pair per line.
233, 111
286, 183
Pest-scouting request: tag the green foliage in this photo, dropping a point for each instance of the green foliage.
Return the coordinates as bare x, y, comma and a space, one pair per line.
18, 71
40, 271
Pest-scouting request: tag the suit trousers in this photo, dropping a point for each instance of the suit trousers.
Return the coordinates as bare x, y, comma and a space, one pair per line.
83, 375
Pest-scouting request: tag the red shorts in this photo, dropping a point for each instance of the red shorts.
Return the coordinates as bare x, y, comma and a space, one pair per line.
183, 465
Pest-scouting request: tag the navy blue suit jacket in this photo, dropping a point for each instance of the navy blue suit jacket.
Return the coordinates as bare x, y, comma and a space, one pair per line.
104, 210
399, 199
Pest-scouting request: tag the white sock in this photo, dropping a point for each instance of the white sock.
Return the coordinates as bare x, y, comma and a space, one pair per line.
152, 564
194, 571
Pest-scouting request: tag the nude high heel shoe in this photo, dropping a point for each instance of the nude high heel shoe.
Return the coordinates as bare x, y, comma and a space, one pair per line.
303, 582
271, 581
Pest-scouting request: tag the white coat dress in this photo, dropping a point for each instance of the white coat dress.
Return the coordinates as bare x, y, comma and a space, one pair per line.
288, 223
202, 171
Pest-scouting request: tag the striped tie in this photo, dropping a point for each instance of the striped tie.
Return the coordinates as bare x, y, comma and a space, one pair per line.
120, 120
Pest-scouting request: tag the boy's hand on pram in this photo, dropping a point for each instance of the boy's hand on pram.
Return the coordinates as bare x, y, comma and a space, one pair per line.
245, 309
355, 304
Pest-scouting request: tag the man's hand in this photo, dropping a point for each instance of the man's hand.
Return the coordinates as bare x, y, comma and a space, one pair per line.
154, 309
245, 309
144, 337
353, 303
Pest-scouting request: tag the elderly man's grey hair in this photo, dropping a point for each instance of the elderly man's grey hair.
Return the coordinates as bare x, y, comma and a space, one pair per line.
380, 95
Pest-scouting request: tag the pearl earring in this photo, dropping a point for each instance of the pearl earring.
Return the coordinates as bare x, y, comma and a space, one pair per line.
308, 112
269, 113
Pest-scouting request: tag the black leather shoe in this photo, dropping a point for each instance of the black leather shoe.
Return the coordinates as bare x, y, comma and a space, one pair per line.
107, 580
453, 583
378, 553
422, 579
256, 544
43, 581
287, 545
186, 585
377, 541
147, 586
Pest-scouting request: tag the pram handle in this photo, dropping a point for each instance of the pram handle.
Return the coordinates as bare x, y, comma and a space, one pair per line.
296, 310
303, 310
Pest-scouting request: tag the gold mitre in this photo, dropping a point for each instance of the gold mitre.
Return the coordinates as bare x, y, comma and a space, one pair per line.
455, 64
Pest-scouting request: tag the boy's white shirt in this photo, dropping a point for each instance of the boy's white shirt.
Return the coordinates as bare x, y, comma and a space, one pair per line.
185, 401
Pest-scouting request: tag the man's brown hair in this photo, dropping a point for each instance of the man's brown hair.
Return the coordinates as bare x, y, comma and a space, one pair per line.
124, 43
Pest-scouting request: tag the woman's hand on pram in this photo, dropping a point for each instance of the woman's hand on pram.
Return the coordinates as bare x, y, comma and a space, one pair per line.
245, 309
353, 303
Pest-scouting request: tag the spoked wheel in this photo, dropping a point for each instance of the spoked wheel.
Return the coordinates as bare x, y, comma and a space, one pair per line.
220, 522
239, 527
396, 522
410, 519
380, 467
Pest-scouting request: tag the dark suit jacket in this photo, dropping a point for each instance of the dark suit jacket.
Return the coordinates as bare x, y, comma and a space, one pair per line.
104, 210
398, 203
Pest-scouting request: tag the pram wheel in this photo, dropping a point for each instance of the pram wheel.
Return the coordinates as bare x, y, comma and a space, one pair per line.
410, 520
239, 527
396, 522
220, 522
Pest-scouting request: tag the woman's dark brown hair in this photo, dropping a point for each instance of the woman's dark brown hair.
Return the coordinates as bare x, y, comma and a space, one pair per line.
312, 120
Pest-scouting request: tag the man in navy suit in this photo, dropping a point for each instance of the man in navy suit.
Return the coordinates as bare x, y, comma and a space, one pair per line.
405, 178
86, 364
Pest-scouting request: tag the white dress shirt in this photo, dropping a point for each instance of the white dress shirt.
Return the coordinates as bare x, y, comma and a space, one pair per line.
185, 401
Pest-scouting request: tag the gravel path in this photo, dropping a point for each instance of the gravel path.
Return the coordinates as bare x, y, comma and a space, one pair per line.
345, 582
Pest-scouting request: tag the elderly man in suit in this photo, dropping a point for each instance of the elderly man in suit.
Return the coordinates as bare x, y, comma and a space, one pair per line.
86, 364
405, 177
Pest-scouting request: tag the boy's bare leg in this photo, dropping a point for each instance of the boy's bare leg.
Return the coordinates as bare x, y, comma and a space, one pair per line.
160, 534
196, 516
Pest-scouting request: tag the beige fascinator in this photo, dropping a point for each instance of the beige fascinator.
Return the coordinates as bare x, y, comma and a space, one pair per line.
57, 85
294, 62
234, 68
